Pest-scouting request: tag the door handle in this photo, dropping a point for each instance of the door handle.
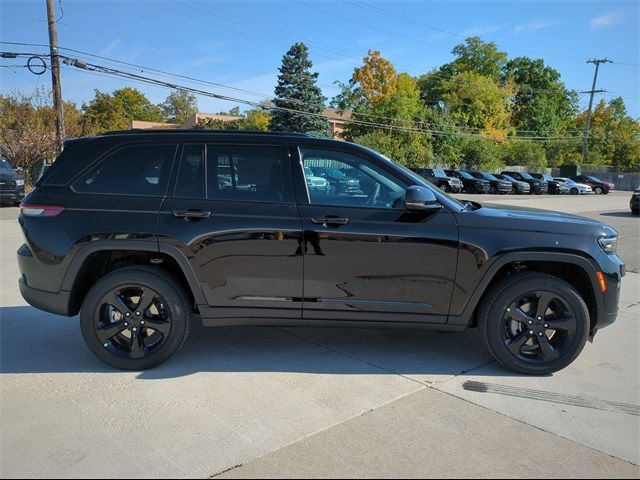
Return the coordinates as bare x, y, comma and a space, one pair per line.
330, 221
195, 214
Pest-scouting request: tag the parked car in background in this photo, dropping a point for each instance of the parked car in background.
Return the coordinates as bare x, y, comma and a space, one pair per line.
315, 183
537, 186
440, 179
339, 183
599, 187
575, 188
555, 188
496, 185
517, 187
470, 184
634, 203
11, 184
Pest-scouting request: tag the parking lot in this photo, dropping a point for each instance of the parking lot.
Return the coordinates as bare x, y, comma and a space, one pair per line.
311, 402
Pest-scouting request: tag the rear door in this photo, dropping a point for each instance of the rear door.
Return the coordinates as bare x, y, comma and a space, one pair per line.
232, 214
366, 257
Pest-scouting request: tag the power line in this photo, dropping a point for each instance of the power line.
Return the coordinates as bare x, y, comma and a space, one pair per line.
585, 143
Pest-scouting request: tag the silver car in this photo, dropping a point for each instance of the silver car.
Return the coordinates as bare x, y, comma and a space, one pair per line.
574, 187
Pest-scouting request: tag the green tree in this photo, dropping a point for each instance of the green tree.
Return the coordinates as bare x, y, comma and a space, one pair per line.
542, 105
614, 137
179, 106
525, 153
297, 89
480, 154
116, 111
477, 101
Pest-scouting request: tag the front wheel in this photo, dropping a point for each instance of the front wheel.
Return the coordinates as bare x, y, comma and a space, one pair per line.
534, 323
135, 318
573, 191
598, 190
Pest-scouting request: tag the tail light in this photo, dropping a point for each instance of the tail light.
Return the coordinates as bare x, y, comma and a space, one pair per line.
33, 210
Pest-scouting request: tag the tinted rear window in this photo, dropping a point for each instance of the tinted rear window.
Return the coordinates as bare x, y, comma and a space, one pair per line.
134, 170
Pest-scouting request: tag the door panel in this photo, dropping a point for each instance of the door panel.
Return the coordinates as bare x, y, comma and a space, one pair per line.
372, 259
246, 254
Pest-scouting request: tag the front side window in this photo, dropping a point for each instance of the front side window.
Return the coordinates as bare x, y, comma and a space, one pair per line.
135, 170
350, 180
245, 172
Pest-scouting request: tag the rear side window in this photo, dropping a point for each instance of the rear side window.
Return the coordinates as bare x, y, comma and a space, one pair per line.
135, 170
245, 172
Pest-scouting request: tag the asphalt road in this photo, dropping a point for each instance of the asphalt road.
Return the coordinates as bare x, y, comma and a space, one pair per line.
310, 402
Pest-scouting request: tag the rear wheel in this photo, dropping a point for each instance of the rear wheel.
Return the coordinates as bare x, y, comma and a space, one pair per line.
135, 318
534, 323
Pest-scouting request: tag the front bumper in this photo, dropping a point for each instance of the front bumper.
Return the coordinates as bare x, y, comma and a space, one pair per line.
13, 196
613, 269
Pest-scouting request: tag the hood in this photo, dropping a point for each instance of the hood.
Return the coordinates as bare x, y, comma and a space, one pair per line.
535, 220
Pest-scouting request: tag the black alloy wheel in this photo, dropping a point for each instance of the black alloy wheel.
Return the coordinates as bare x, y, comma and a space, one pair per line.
135, 318
132, 321
538, 327
493, 190
533, 322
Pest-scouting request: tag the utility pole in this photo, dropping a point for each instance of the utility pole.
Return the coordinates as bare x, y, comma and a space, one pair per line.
585, 142
55, 74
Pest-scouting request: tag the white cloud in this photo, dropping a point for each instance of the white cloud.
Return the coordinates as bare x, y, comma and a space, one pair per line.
607, 20
479, 30
535, 26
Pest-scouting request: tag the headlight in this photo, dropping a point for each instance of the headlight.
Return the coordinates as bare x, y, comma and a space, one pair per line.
19, 183
608, 244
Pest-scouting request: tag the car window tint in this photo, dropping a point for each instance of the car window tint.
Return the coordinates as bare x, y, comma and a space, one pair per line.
135, 170
245, 172
190, 181
339, 178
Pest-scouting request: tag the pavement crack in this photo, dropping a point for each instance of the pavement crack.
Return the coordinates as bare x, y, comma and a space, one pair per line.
226, 470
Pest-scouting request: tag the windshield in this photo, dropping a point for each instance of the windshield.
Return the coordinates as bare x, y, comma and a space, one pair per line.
308, 172
5, 166
526, 176
547, 177
595, 179
438, 172
465, 175
488, 176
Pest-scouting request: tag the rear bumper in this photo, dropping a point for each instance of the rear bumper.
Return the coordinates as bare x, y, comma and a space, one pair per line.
52, 302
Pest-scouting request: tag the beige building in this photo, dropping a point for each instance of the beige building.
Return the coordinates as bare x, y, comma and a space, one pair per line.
337, 121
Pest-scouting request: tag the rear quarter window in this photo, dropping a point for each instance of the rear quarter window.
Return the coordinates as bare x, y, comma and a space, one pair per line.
131, 170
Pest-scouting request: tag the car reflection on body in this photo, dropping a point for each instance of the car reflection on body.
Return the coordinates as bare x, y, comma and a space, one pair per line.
575, 188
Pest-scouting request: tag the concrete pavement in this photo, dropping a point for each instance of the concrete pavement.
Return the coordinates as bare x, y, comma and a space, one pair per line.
259, 402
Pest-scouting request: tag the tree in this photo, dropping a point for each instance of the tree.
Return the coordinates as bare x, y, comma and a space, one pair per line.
371, 84
297, 89
256, 119
478, 102
480, 154
179, 106
27, 128
116, 111
614, 137
525, 153
542, 105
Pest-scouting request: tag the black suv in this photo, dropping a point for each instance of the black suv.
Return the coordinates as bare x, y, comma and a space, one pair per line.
11, 184
537, 186
496, 185
440, 179
555, 187
470, 184
142, 232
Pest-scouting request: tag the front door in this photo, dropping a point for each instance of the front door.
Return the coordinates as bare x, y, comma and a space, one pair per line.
366, 257
233, 215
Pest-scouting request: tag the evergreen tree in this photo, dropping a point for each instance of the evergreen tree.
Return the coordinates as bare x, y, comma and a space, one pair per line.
297, 90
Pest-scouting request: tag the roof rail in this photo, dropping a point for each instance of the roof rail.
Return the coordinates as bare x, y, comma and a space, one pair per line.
202, 131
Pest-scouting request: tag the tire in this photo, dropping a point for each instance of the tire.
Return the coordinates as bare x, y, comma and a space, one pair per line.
173, 318
635, 212
497, 325
493, 190
598, 190
445, 187
573, 191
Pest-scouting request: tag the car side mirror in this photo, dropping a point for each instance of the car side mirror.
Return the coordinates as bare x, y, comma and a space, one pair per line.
421, 199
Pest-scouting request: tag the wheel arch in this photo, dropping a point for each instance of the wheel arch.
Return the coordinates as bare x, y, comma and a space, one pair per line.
95, 260
575, 269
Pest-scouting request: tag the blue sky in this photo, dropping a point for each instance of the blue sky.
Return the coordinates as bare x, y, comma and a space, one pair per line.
240, 43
